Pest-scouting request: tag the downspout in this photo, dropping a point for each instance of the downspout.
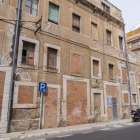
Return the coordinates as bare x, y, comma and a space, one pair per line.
13, 66
128, 71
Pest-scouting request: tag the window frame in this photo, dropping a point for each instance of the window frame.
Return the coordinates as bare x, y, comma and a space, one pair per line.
92, 69
74, 26
126, 92
109, 72
92, 23
104, 8
121, 47
107, 31
27, 55
32, 8
51, 3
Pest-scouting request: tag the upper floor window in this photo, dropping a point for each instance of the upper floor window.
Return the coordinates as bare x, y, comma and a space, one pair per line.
53, 13
106, 8
108, 35
135, 44
121, 43
31, 7
76, 23
111, 71
94, 31
28, 53
52, 58
1, 0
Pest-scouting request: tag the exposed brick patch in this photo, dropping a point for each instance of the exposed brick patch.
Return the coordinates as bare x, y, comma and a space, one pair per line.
51, 108
76, 103
77, 64
124, 75
126, 98
114, 92
2, 80
25, 95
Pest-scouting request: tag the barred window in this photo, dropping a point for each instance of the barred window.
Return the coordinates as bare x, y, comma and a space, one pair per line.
31, 7
53, 13
28, 53
76, 23
52, 58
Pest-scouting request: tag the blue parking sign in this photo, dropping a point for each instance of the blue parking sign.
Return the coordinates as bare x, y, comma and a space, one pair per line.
42, 87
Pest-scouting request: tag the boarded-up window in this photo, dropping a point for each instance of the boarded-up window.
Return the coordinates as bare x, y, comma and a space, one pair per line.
28, 53
133, 86
52, 58
53, 13
134, 98
124, 74
95, 68
97, 99
108, 34
106, 8
76, 23
111, 71
31, 7
94, 30
121, 43
126, 98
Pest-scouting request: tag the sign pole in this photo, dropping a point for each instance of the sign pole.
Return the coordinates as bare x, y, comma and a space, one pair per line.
40, 110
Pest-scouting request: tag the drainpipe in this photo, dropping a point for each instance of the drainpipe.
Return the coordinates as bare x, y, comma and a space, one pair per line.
128, 72
13, 66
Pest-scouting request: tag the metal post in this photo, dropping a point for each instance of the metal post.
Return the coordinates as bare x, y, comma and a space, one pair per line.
128, 71
40, 110
13, 66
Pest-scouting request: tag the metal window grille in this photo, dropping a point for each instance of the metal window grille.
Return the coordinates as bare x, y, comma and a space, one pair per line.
53, 13
31, 7
111, 74
28, 53
52, 58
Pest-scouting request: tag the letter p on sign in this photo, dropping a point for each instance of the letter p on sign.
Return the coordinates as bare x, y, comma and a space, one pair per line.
42, 87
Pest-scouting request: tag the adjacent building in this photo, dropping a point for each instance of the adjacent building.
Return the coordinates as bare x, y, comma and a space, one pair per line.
79, 52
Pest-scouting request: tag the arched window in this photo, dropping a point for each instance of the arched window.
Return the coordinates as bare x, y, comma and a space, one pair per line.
31, 7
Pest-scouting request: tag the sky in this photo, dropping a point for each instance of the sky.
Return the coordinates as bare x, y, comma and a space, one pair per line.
130, 12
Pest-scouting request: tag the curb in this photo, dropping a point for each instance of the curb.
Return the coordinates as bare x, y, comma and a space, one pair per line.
58, 132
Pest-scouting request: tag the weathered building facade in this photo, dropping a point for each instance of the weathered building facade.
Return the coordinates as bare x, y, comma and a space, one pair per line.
79, 52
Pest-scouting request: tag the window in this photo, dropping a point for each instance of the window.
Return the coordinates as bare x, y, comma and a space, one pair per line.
31, 7
1, 1
134, 98
53, 13
95, 68
121, 43
135, 44
94, 30
76, 23
52, 58
111, 71
106, 8
108, 34
28, 53
126, 98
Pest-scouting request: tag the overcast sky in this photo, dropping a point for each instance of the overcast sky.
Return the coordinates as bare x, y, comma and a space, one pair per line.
130, 12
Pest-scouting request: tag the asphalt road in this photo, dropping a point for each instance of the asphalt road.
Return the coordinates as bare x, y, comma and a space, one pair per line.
129, 131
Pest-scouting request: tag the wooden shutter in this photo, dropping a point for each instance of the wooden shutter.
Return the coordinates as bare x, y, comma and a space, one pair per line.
95, 68
120, 43
111, 71
94, 30
52, 58
76, 21
31, 48
108, 37
53, 12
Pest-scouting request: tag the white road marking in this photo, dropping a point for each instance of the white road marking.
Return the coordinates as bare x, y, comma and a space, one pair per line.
64, 136
129, 124
104, 129
87, 132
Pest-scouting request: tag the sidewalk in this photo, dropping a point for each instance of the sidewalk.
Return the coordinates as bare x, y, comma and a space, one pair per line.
36, 133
